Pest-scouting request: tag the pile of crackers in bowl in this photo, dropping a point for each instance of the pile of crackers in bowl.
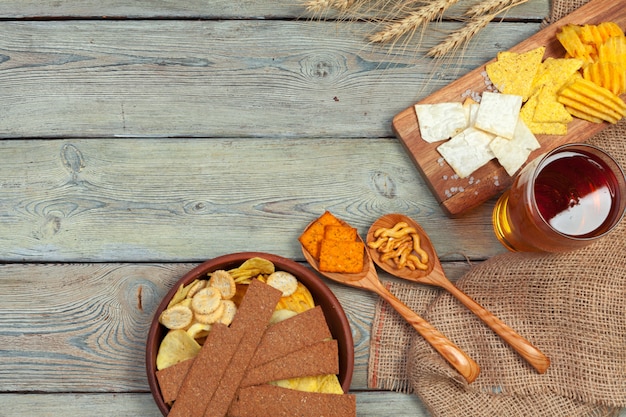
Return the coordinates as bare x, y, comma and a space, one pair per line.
262, 362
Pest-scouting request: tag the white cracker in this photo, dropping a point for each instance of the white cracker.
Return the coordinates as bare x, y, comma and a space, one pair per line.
512, 154
467, 151
498, 114
440, 121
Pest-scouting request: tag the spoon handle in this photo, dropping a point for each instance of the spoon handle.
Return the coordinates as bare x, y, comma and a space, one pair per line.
523, 347
465, 365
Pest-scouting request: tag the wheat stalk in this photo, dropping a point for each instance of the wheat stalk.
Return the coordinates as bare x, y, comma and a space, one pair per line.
461, 37
456, 39
410, 23
317, 6
488, 7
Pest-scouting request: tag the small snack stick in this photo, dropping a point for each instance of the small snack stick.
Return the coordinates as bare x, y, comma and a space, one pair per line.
176, 317
224, 282
397, 244
283, 281
206, 301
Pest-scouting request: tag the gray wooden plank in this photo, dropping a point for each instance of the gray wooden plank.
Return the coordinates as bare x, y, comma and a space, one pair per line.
182, 200
253, 78
369, 404
196, 9
82, 327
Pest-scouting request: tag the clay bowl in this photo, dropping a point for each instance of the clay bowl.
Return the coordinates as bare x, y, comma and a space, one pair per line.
323, 296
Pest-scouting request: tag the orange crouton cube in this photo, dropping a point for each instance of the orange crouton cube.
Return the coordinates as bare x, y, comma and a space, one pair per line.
345, 233
341, 256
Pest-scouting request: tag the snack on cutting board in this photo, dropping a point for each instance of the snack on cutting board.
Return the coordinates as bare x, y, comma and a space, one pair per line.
202, 373
334, 245
534, 96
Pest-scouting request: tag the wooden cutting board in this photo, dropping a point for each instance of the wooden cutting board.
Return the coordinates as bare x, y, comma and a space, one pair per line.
455, 195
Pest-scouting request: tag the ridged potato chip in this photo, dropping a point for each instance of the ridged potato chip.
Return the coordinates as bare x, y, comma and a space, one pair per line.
176, 347
199, 330
587, 98
301, 300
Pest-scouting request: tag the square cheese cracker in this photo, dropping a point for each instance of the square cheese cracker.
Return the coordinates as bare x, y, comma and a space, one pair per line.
498, 113
467, 151
513, 153
440, 121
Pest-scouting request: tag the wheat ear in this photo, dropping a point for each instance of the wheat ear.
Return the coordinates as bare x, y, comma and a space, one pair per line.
488, 7
415, 19
456, 39
317, 6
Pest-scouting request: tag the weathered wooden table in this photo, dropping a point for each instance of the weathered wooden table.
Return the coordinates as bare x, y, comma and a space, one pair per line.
142, 138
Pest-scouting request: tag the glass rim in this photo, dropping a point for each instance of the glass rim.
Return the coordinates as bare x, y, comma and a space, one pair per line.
561, 148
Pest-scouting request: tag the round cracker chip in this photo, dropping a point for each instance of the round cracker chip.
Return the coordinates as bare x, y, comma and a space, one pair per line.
176, 317
206, 300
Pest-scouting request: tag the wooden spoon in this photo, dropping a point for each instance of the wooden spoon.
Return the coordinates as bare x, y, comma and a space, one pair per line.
367, 279
434, 275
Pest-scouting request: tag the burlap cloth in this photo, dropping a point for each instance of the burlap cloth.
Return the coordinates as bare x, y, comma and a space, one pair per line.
571, 306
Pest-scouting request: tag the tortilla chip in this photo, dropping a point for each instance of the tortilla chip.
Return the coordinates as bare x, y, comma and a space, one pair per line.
514, 73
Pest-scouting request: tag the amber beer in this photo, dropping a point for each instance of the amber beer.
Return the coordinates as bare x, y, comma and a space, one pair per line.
561, 201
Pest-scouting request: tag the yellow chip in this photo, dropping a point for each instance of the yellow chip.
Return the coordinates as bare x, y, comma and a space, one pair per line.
199, 330
283, 281
548, 109
513, 73
224, 282
176, 347
300, 301
195, 286
230, 309
540, 128
206, 301
176, 317
212, 317
555, 72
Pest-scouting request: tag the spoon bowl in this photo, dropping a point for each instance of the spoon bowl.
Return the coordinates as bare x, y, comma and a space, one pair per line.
368, 279
434, 275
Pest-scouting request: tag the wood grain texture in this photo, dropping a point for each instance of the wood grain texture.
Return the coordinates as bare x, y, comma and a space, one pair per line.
82, 327
211, 79
188, 200
199, 9
457, 195
140, 138
369, 404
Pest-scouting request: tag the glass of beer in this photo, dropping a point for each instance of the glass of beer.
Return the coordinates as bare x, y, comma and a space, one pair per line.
562, 200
